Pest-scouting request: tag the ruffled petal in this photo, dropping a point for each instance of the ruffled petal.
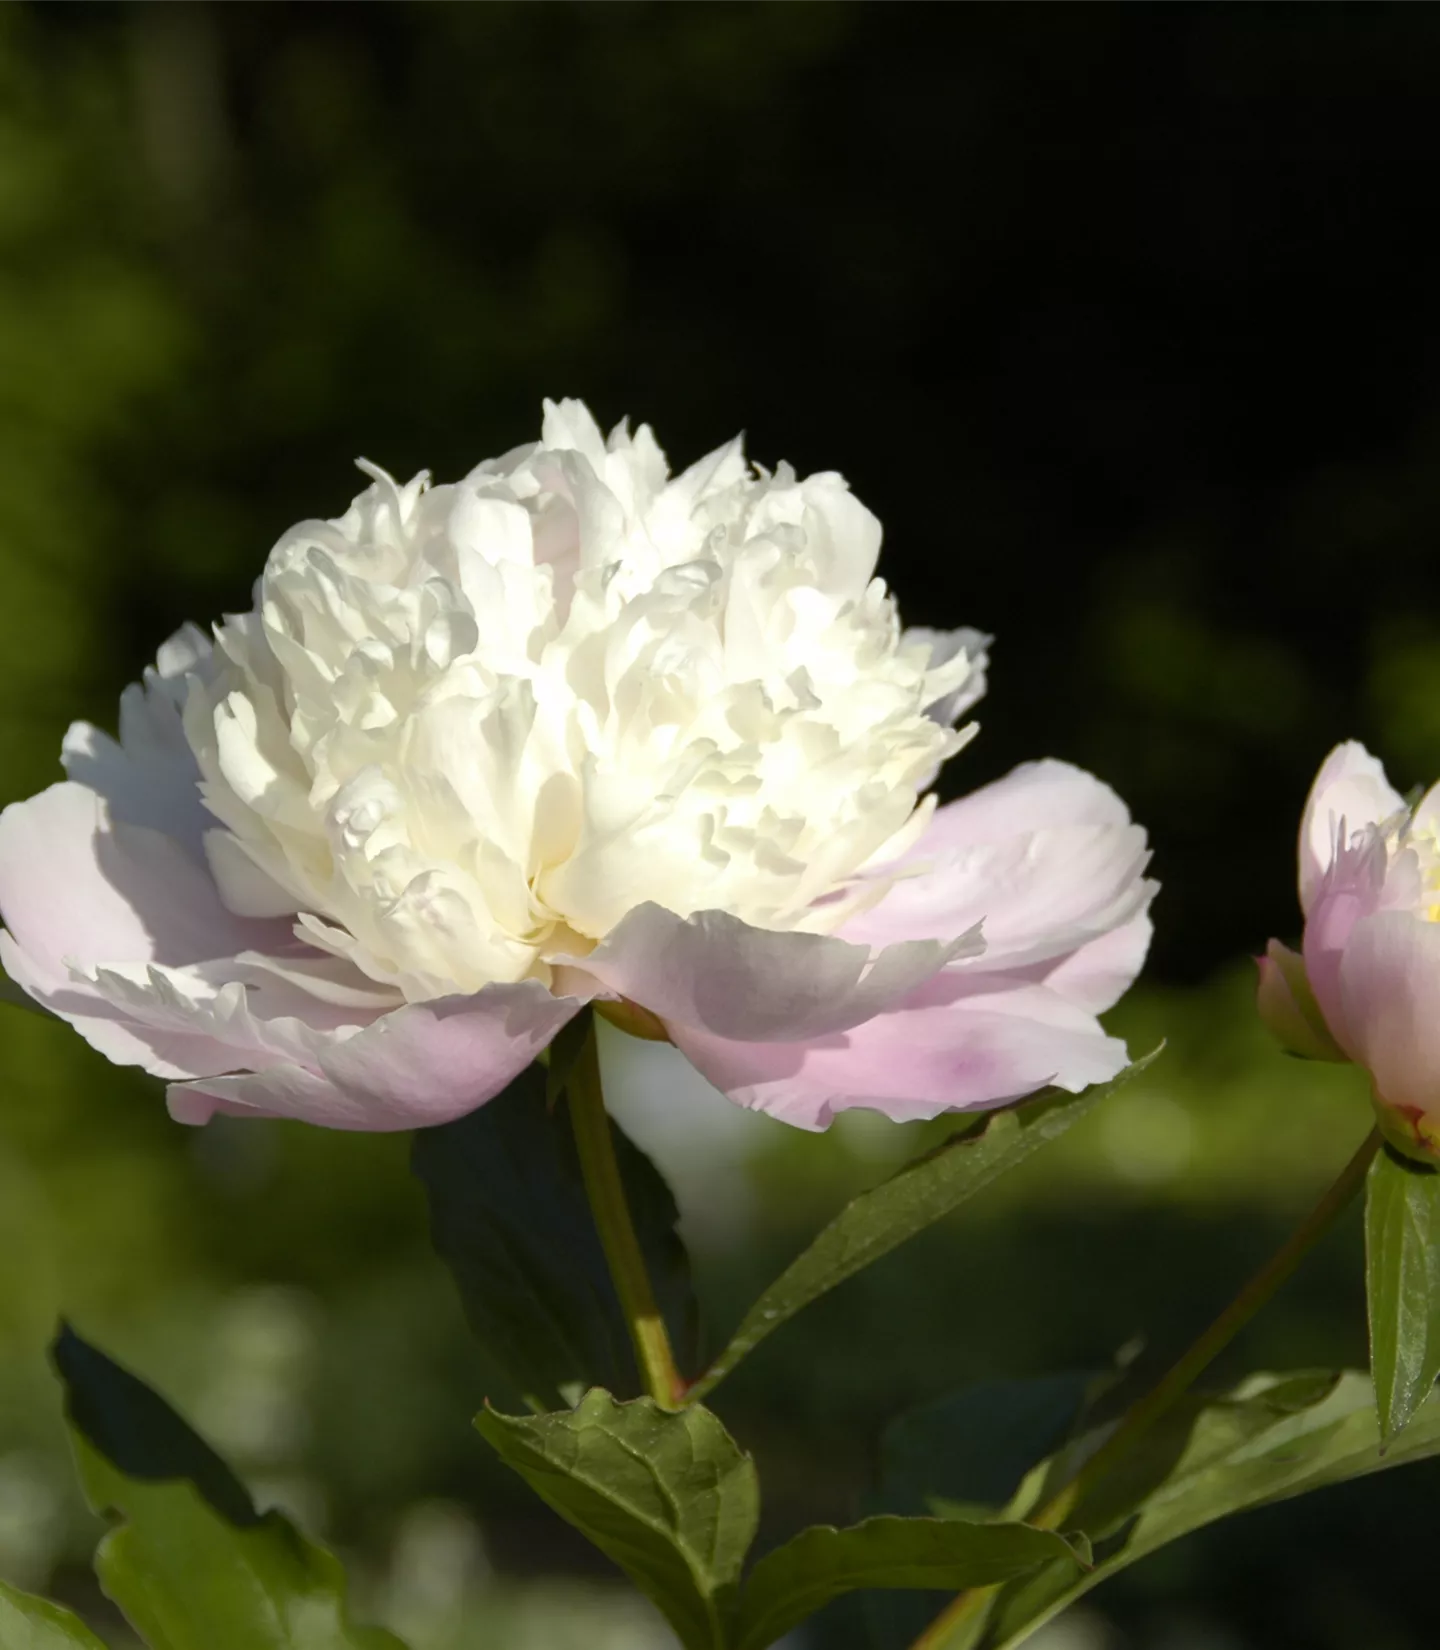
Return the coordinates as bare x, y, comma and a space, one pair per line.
715, 974
150, 776
108, 1029
1351, 788
423, 1064
945, 646
960, 1042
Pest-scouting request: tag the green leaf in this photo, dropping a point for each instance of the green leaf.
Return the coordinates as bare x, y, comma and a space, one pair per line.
821, 1563
191, 1562
961, 1456
1402, 1280
668, 1495
509, 1216
1270, 1438
972, 1447
921, 1193
28, 1623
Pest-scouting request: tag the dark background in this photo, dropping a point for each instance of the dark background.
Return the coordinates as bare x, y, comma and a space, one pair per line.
1122, 319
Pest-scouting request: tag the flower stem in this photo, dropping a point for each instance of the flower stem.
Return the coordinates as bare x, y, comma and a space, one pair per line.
943, 1632
606, 1191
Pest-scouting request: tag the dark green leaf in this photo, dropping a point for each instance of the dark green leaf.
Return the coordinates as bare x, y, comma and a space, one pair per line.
509, 1215
35, 1624
962, 1456
916, 1197
793, 1582
1272, 1437
191, 1562
668, 1495
972, 1447
1402, 1280
138, 1432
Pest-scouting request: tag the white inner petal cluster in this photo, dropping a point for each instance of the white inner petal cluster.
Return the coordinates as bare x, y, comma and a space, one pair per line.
466, 728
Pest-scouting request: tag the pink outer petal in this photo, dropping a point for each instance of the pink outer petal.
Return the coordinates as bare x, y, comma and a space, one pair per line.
76, 887
1099, 974
79, 891
718, 975
420, 1065
1390, 989
1046, 858
161, 1051
1352, 888
1028, 798
1351, 787
959, 1043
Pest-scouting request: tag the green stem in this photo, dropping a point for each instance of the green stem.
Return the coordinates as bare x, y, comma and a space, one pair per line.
596, 1146
1146, 1411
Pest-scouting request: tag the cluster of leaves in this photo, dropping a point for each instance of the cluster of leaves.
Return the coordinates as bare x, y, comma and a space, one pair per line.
673, 1499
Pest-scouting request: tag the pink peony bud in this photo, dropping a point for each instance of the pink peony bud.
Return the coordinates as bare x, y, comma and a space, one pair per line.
1367, 987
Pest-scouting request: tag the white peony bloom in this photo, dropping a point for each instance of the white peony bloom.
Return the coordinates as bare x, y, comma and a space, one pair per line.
572, 730
466, 728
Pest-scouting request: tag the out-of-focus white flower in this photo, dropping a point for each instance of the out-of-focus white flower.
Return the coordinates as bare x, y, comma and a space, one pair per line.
569, 728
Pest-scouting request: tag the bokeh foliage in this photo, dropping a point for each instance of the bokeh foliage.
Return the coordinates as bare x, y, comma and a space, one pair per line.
1122, 320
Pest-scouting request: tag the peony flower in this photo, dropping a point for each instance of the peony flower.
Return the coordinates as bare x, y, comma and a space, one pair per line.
571, 730
1367, 987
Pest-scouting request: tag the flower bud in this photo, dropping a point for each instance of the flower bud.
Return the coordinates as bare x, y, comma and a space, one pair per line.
1367, 987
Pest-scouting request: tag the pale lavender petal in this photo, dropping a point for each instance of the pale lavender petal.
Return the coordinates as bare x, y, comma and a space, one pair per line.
112, 926
1047, 859
77, 887
1352, 887
1028, 798
716, 974
958, 1043
1351, 788
109, 1030
423, 1064
1099, 974
1390, 989
150, 777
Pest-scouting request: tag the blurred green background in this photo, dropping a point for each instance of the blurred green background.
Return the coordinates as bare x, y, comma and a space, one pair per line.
1123, 320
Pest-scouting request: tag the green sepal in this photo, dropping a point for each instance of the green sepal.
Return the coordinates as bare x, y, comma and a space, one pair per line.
1288, 1007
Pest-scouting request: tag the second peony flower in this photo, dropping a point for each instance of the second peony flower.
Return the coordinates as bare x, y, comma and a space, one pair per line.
572, 730
1366, 984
